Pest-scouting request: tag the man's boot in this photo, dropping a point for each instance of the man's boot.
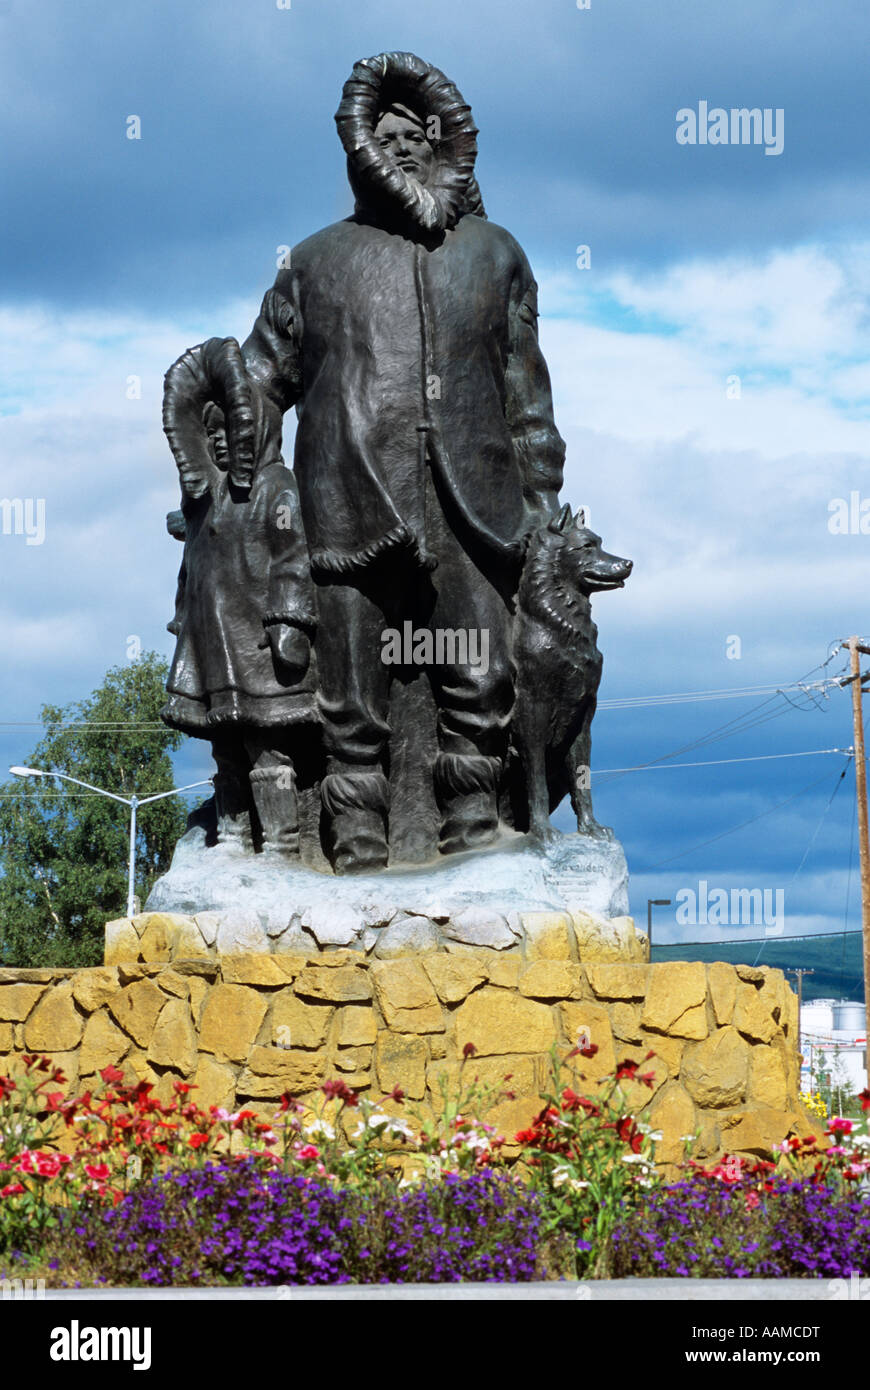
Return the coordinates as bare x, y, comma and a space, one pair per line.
274, 793
357, 802
466, 785
232, 807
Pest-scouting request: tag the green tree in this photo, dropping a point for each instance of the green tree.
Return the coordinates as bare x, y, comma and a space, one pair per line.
63, 851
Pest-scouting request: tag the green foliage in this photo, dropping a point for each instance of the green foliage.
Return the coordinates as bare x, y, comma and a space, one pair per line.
63, 851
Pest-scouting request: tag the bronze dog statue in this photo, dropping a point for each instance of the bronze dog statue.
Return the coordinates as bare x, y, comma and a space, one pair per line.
559, 667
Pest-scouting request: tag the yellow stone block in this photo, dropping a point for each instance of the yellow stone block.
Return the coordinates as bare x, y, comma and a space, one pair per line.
215, 1084
231, 1020
406, 997
16, 1001
102, 1045
173, 1042
509, 1117
752, 1013
505, 970
199, 988
495, 1076
755, 1131
337, 984
55, 1025
453, 976
613, 981
722, 979
715, 1072
607, 938
122, 942
271, 1071
255, 969
673, 1113
94, 987
401, 1061
496, 1022
768, 1083
548, 936
188, 942
6, 1037
584, 1023
356, 1059
296, 1023
552, 979
357, 1027
676, 1000
172, 983
155, 938
669, 1049
625, 1022
136, 1008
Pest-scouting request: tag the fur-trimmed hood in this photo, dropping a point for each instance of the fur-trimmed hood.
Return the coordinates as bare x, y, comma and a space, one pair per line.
379, 186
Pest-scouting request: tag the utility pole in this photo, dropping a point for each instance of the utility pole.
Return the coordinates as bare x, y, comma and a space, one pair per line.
855, 648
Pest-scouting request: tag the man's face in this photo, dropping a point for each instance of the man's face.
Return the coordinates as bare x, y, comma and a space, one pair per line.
406, 144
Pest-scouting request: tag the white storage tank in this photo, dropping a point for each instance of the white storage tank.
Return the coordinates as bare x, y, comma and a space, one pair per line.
817, 1016
849, 1017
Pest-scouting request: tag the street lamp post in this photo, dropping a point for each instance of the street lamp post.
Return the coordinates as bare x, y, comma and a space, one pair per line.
650, 904
134, 802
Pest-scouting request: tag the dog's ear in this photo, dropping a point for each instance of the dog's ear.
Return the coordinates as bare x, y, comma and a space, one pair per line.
560, 522
580, 517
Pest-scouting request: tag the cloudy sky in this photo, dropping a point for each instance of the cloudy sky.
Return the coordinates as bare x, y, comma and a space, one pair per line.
710, 367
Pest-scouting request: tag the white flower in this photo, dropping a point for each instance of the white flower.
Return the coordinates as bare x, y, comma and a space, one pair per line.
320, 1127
635, 1158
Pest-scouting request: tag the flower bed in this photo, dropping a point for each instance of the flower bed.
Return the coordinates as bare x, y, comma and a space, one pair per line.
115, 1186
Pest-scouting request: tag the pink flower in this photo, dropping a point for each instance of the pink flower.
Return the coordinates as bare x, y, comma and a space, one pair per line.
308, 1151
47, 1165
98, 1171
840, 1126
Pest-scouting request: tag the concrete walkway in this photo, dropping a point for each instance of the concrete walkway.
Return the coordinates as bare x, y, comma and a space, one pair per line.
604, 1290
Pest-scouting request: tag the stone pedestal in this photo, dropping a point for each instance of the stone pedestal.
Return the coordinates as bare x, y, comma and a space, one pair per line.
261, 902
246, 1027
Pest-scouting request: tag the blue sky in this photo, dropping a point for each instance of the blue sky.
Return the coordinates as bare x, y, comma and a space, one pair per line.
707, 262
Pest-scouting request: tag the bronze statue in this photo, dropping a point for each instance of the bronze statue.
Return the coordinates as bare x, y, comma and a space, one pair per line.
427, 463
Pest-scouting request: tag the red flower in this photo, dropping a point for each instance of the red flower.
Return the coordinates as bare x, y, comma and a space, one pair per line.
181, 1088
526, 1136
286, 1101
339, 1090
396, 1094
111, 1075
54, 1100
12, 1189
864, 1098
195, 1141
98, 1171
630, 1134
7, 1086
469, 1050
626, 1070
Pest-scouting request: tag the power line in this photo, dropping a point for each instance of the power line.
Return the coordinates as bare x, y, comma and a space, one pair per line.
720, 762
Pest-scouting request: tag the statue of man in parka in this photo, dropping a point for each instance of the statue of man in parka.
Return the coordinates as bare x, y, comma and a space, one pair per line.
426, 451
